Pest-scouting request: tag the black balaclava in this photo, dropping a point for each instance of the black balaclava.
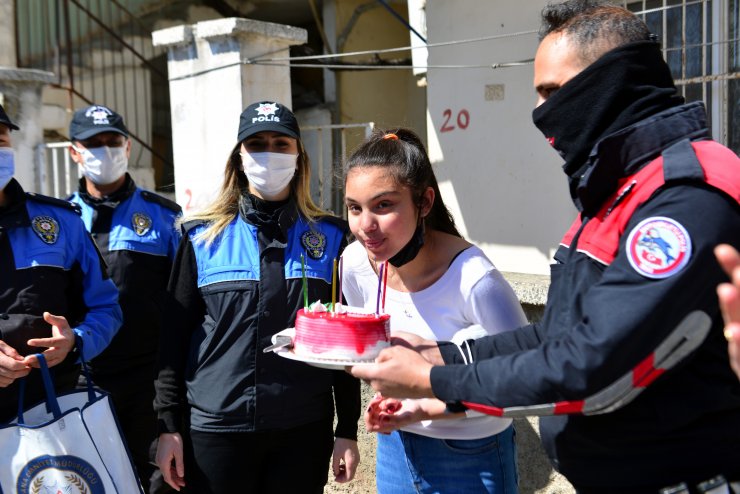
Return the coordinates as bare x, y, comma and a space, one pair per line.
624, 86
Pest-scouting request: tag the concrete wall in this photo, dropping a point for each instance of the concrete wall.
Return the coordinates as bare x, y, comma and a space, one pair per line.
7, 34
390, 98
503, 182
209, 88
20, 95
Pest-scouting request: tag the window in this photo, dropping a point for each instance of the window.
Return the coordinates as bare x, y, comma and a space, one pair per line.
700, 43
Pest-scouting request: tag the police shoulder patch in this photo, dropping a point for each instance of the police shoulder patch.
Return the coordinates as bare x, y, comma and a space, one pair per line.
658, 247
142, 223
46, 228
314, 243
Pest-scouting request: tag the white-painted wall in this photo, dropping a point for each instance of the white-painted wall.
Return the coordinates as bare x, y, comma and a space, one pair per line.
209, 88
498, 175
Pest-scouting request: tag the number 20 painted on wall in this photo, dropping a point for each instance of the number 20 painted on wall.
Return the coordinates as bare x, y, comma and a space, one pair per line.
463, 120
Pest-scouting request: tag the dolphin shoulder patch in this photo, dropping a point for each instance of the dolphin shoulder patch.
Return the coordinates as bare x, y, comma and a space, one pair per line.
658, 247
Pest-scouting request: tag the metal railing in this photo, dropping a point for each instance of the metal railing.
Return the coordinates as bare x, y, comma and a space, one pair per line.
326, 146
58, 174
102, 53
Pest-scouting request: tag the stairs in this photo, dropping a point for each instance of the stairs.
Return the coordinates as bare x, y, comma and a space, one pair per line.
101, 52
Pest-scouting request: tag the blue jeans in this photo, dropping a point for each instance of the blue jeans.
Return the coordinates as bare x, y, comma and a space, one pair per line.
408, 463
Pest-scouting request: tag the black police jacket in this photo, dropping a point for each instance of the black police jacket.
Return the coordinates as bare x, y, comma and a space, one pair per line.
135, 232
227, 300
605, 316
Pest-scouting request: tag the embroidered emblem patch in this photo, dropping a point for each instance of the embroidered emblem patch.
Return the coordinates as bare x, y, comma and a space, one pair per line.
266, 109
99, 115
314, 242
141, 223
46, 228
658, 247
59, 474
266, 113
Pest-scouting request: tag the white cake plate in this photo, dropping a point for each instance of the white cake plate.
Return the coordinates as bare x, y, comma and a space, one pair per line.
324, 363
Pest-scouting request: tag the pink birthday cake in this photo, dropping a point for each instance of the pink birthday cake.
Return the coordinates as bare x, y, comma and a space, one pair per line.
341, 335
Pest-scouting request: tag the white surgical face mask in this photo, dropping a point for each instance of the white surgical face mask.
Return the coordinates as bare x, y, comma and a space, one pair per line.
269, 173
7, 166
104, 165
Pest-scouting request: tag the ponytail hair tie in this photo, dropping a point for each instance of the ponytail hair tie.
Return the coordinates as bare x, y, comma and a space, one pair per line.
390, 136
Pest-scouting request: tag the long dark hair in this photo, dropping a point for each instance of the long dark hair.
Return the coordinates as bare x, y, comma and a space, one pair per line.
402, 153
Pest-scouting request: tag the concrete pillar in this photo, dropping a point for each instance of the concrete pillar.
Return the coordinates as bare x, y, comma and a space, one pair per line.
20, 95
7, 34
210, 86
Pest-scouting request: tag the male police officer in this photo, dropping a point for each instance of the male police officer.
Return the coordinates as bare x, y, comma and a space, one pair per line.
633, 290
135, 232
53, 287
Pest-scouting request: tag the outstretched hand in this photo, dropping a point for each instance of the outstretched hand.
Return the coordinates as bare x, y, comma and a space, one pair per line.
398, 372
426, 348
385, 415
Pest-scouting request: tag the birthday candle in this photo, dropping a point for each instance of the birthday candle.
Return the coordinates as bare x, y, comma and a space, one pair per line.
339, 283
305, 287
385, 283
380, 283
334, 285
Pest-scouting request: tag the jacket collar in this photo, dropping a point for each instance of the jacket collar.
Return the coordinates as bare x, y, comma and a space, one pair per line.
273, 222
14, 215
113, 200
625, 152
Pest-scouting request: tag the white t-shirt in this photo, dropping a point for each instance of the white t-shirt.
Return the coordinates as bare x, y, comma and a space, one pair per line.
471, 299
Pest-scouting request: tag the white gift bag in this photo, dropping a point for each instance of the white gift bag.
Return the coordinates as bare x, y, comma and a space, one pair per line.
70, 444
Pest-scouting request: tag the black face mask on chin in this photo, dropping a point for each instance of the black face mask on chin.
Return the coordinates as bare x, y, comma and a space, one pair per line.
624, 86
411, 249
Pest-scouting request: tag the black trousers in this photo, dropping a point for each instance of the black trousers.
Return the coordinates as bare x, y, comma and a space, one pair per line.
292, 461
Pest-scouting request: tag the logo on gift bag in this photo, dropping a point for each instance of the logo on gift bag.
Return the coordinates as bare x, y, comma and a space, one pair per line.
59, 475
